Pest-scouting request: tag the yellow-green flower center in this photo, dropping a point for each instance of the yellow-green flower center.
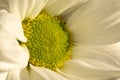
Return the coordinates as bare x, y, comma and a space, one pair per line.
48, 41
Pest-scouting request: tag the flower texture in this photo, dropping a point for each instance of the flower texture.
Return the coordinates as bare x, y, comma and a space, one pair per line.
59, 39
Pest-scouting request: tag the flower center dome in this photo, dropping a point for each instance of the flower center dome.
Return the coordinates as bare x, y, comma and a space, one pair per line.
49, 42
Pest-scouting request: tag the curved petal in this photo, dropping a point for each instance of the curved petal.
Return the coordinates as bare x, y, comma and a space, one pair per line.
18, 7
4, 5
106, 56
31, 4
84, 70
12, 25
19, 74
37, 73
97, 22
12, 55
70, 77
14, 75
38, 6
3, 75
34, 73
14, 8
23, 8
67, 13
56, 7
23, 4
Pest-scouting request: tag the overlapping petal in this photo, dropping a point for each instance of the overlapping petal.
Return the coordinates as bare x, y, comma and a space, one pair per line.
38, 6
14, 75
70, 76
34, 73
23, 8
107, 54
94, 62
44, 74
12, 55
3, 75
23, 5
56, 7
4, 5
83, 70
96, 22
12, 24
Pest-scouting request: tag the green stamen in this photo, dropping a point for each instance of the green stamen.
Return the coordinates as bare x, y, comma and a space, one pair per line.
48, 41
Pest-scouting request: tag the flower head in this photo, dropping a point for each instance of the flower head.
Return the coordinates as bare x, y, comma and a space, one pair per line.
59, 40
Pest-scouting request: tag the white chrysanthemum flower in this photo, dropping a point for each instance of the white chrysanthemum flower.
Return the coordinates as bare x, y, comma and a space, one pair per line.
59, 40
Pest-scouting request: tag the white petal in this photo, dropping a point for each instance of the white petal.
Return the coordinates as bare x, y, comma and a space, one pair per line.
56, 7
14, 75
4, 5
18, 7
3, 75
67, 13
83, 70
7, 65
37, 73
12, 24
19, 74
34, 73
12, 55
97, 22
23, 8
14, 7
26, 8
31, 4
70, 77
25, 75
94, 62
100, 57
38, 6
